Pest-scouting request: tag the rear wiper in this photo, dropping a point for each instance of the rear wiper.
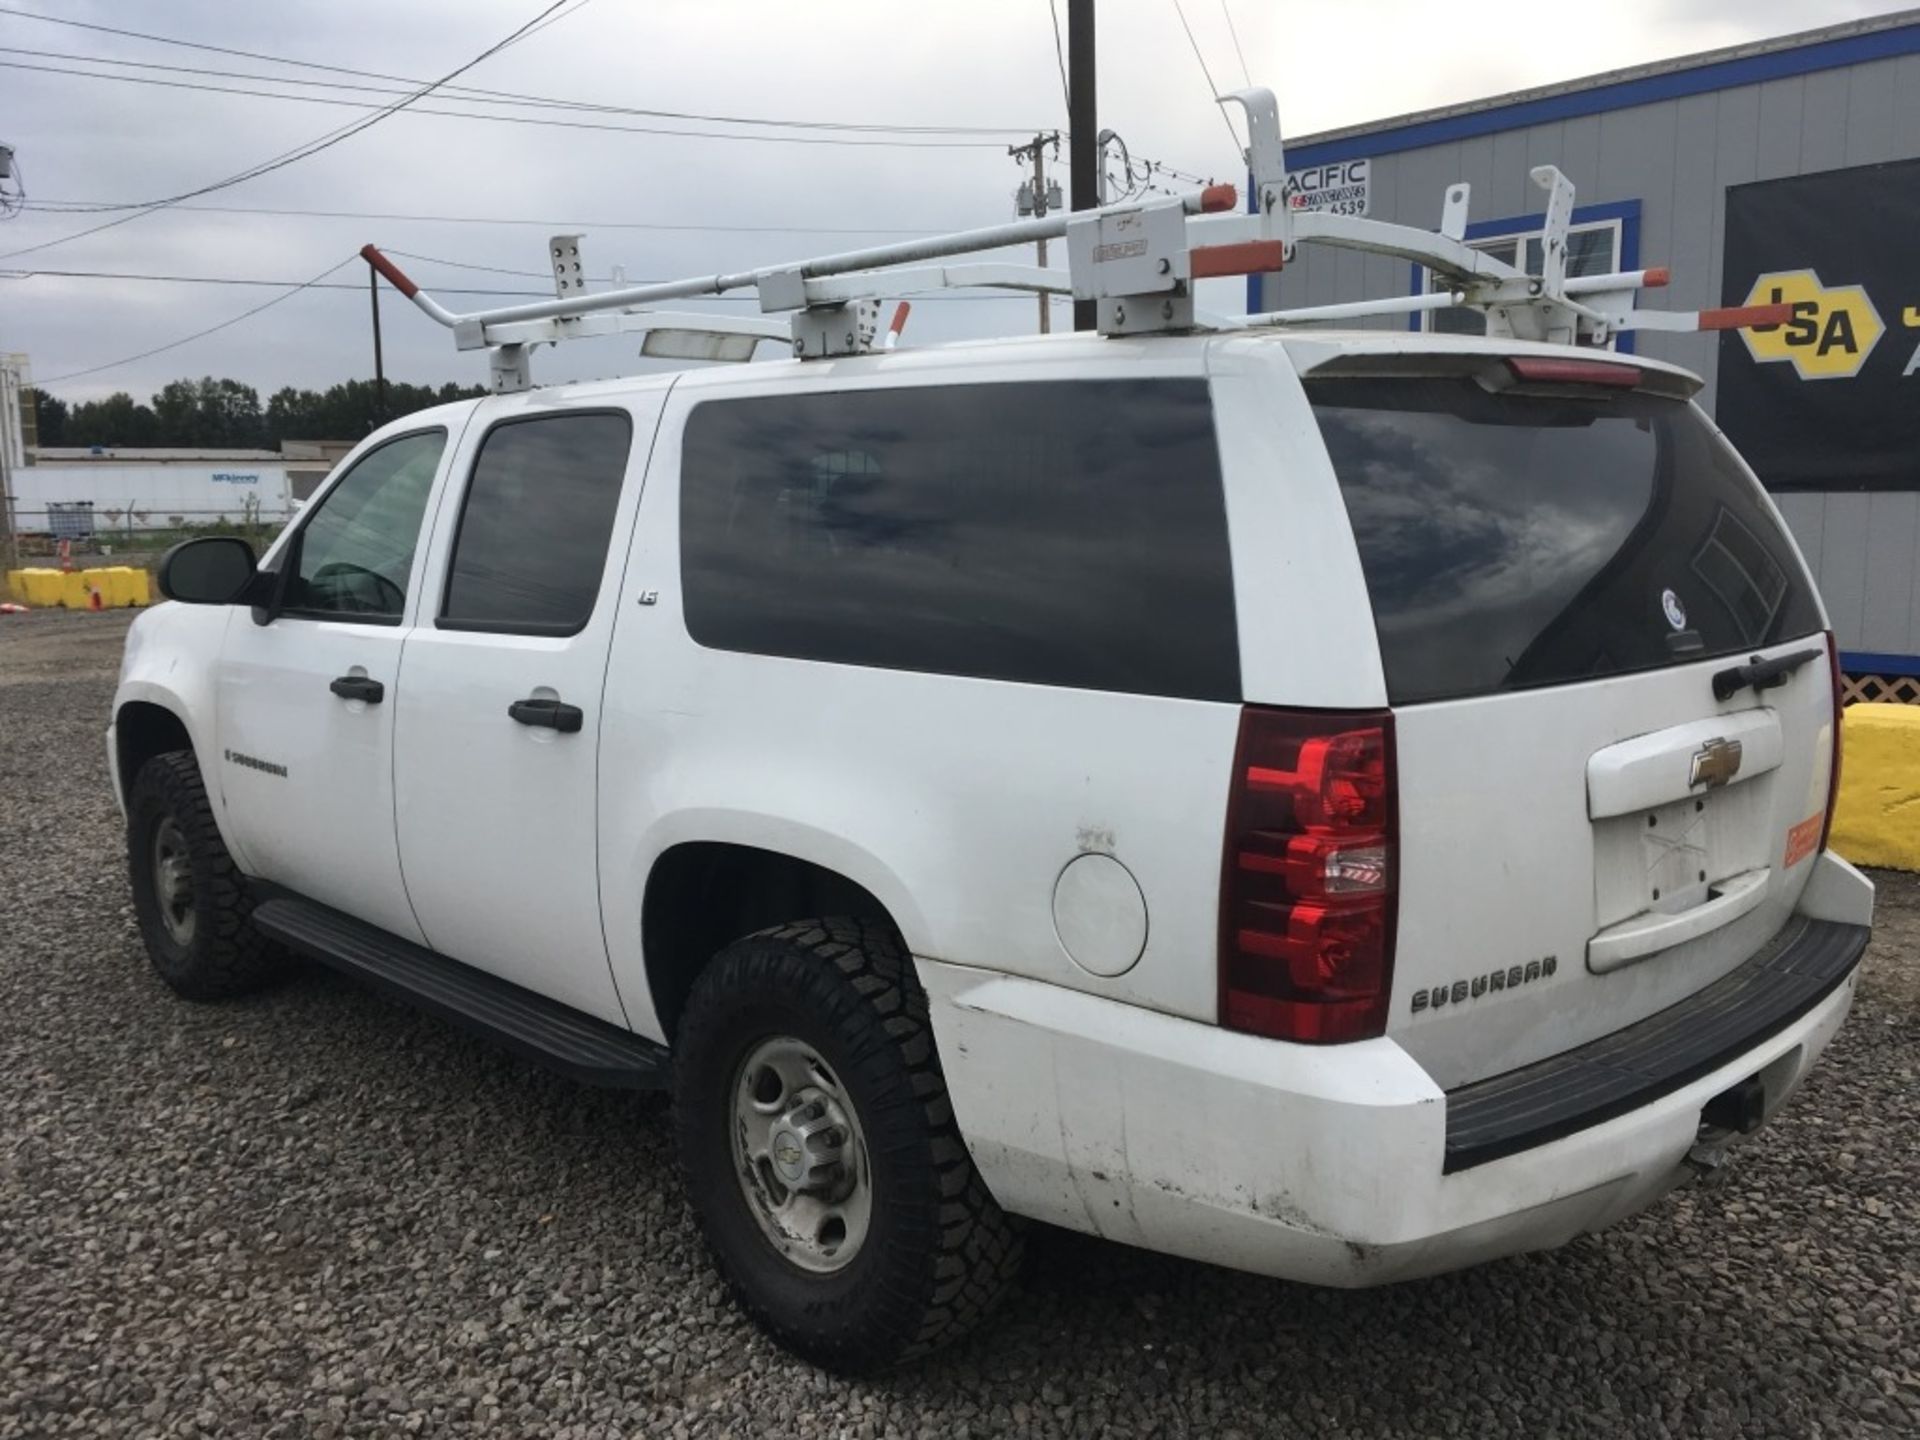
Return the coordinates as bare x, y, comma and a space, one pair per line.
1760, 674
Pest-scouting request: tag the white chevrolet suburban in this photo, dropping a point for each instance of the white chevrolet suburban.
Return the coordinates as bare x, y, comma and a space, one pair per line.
1344, 806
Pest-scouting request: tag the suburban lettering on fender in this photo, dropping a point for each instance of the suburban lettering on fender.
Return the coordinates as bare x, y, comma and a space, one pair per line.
1494, 982
234, 757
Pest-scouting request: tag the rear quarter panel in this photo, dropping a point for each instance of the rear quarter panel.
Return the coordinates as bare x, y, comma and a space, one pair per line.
955, 801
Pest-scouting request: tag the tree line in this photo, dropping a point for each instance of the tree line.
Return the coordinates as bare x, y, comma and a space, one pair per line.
210, 414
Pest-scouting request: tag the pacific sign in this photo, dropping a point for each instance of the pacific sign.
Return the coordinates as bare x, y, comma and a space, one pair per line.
1343, 188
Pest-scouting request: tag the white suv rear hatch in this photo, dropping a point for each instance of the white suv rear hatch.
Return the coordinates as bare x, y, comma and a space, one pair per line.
1558, 572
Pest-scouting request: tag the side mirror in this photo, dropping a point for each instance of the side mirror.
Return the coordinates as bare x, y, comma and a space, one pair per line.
212, 570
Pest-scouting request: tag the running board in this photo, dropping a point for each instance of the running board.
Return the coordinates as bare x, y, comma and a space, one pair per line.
530, 1025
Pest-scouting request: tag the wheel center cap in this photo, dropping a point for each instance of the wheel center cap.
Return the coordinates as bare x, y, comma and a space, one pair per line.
789, 1157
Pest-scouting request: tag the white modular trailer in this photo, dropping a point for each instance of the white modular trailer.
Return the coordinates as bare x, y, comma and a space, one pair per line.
135, 495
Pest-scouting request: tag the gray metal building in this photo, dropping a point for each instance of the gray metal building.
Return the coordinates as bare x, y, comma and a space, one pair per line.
1662, 156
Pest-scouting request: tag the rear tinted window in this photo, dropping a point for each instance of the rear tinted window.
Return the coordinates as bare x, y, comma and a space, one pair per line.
1069, 533
1511, 541
536, 523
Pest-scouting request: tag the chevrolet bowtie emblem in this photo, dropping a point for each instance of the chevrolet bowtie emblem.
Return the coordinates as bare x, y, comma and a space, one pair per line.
1715, 763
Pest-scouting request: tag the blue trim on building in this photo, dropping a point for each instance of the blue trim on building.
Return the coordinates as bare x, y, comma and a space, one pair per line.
1627, 212
1253, 281
1874, 662
1623, 95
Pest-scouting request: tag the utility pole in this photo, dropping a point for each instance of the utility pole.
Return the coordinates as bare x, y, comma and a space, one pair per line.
1036, 199
10, 386
12, 398
1084, 124
379, 365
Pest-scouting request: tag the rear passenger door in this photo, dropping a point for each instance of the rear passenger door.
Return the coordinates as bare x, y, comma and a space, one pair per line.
498, 721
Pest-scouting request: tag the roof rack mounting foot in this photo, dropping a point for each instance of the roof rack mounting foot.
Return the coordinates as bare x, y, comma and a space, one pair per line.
820, 331
510, 373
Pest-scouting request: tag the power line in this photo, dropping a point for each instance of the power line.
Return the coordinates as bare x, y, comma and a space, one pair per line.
1234, 31
1060, 56
359, 289
80, 206
1213, 90
332, 138
286, 294
499, 269
312, 147
868, 143
477, 92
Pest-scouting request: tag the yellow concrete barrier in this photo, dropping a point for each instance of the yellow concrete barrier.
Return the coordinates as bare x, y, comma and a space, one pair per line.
76, 590
35, 585
1878, 819
123, 585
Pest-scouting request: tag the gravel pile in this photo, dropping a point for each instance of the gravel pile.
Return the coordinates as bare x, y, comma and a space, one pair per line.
316, 1214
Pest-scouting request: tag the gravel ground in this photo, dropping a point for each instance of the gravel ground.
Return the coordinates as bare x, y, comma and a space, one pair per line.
314, 1213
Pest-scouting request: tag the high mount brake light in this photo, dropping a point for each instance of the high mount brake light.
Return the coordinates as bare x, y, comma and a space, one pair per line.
1307, 904
1551, 370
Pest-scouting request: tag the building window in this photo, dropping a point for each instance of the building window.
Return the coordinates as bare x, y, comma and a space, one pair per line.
1593, 248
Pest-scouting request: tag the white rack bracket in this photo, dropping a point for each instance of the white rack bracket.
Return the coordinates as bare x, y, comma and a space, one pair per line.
569, 271
1266, 163
1133, 263
508, 370
823, 331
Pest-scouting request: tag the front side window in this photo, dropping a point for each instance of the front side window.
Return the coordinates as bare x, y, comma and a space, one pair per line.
352, 557
534, 530
1067, 533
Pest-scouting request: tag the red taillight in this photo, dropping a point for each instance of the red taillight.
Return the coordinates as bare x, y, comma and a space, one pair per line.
1839, 706
1307, 888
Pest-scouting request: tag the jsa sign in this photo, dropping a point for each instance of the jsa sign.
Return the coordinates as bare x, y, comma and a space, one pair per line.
1831, 334
1342, 188
1829, 399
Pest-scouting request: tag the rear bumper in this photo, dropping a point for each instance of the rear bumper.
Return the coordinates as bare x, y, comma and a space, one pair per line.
1321, 1164
1625, 1071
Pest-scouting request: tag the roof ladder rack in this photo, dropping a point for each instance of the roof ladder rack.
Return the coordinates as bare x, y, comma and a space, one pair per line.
1138, 261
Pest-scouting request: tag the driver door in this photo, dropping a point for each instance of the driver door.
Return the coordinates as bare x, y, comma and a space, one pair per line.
306, 701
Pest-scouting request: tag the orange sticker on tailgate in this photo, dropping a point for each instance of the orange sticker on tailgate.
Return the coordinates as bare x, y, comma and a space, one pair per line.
1802, 839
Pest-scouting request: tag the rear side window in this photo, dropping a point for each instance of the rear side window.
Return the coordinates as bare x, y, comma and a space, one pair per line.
1068, 533
1515, 541
535, 525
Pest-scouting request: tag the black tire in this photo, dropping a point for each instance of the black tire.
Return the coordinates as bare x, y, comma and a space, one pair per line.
938, 1252
209, 950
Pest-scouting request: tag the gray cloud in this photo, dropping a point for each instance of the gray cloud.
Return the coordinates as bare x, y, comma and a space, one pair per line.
984, 63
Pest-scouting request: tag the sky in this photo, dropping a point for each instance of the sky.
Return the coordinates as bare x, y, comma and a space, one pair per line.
658, 205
